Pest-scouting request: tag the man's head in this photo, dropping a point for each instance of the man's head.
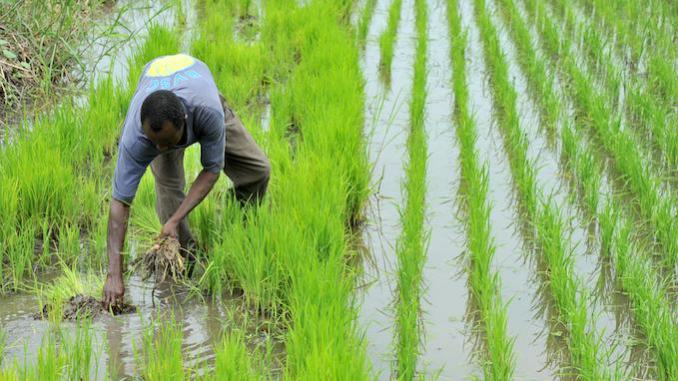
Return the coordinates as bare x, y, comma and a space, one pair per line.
163, 119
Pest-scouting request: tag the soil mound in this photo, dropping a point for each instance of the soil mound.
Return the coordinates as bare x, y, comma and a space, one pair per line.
164, 258
84, 306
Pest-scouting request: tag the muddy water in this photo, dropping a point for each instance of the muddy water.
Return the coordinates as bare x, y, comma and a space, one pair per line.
112, 45
447, 349
387, 120
519, 286
115, 338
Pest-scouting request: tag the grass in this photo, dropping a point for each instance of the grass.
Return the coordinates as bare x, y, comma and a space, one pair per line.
40, 44
498, 359
388, 38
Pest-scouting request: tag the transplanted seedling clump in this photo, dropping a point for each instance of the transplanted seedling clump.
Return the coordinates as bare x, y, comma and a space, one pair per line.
162, 259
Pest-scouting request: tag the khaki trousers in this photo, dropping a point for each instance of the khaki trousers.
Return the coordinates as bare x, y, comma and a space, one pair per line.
245, 164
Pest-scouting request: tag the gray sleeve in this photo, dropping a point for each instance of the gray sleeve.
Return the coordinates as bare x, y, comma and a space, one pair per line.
212, 138
128, 173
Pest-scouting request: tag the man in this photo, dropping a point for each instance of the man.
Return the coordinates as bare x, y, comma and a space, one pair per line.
176, 104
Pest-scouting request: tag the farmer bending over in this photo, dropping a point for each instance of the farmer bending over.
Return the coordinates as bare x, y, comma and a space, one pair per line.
176, 104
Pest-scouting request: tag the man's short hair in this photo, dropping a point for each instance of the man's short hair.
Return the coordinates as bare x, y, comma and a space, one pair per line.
161, 106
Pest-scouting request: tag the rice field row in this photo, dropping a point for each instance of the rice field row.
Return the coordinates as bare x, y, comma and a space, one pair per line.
341, 95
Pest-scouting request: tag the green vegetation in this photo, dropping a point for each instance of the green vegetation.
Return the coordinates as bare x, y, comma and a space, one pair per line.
39, 45
499, 361
365, 19
592, 106
587, 355
388, 38
411, 245
295, 258
635, 274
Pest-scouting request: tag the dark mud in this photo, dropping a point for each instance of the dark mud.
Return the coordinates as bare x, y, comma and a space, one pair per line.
84, 307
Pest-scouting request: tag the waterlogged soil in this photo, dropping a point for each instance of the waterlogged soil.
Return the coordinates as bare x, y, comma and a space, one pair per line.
116, 340
84, 306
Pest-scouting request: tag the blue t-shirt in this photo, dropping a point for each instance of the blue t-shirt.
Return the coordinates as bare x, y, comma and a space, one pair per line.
191, 80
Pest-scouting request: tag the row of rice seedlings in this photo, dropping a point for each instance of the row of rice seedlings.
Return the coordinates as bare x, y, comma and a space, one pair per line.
411, 245
160, 357
233, 361
646, 30
587, 355
652, 117
62, 355
289, 257
388, 38
498, 362
364, 21
638, 279
657, 209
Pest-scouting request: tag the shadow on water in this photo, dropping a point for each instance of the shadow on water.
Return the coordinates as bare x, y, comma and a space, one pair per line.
387, 118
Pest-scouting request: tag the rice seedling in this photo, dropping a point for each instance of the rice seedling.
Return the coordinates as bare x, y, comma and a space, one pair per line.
411, 245
160, 357
650, 114
364, 22
387, 39
638, 279
61, 356
587, 356
591, 106
498, 362
233, 361
289, 257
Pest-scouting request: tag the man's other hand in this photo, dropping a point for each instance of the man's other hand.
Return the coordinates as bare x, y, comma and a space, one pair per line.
114, 290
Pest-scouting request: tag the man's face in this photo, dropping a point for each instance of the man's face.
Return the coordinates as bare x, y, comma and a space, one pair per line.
168, 137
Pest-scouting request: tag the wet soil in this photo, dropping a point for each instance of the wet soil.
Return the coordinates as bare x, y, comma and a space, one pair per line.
84, 307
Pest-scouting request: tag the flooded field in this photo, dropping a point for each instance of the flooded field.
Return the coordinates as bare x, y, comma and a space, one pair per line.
460, 190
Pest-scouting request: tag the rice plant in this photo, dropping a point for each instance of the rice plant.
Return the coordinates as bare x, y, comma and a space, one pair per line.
498, 362
411, 245
583, 342
364, 21
388, 38
591, 106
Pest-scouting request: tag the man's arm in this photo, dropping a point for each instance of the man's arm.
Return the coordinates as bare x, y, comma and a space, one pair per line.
114, 289
201, 187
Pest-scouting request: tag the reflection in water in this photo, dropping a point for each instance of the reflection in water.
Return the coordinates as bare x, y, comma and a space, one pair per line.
387, 117
445, 293
117, 339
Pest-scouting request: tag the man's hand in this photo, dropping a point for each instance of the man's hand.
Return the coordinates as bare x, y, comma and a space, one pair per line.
114, 290
169, 229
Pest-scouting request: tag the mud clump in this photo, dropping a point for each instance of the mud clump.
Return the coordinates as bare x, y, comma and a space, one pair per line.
162, 259
84, 306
